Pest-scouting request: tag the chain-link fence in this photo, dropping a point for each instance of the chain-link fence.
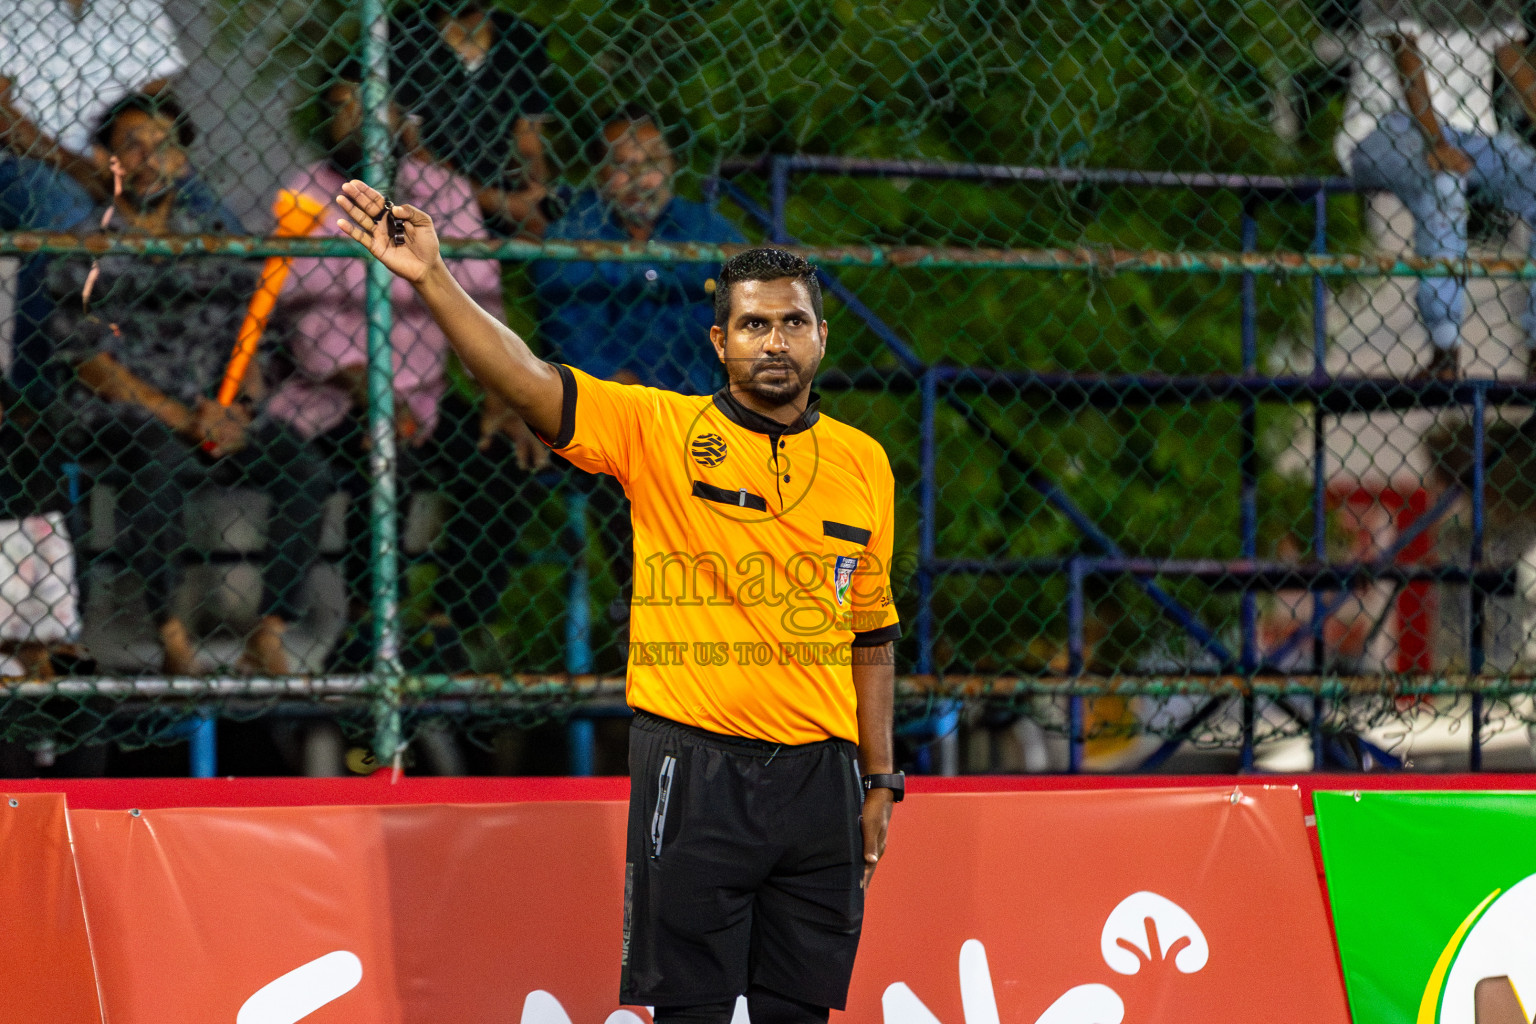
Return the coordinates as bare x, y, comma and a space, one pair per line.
1197, 335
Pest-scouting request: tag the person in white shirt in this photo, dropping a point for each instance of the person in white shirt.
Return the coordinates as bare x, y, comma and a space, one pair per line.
1420, 123
63, 64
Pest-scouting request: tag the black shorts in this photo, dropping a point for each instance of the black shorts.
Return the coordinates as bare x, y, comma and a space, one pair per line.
744, 862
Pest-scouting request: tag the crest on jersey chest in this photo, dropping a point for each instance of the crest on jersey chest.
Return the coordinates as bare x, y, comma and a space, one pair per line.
708, 449
842, 576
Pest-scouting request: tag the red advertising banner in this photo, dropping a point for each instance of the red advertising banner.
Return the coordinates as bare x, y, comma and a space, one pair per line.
47, 977
493, 903
198, 914
1145, 907
1148, 907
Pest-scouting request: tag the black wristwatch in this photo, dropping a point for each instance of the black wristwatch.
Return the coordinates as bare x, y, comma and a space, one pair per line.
896, 783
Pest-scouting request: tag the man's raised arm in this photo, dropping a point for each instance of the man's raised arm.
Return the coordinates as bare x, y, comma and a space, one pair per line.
489, 349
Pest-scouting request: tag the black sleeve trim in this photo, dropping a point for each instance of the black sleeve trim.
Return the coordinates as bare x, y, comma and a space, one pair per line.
567, 408
742, 498
841, 531
876, 637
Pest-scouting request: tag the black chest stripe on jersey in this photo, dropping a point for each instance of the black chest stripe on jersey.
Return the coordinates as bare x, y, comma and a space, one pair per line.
852, 534
742, 498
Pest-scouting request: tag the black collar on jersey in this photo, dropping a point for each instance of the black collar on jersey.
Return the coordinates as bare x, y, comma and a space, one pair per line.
756, 421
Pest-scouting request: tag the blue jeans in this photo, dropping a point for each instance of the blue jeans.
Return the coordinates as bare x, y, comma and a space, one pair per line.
1504, 167
35, 196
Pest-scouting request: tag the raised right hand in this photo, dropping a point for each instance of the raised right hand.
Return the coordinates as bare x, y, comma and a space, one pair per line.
411, 261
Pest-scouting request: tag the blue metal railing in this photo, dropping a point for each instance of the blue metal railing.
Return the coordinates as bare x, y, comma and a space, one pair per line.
1248, 388
1329, 395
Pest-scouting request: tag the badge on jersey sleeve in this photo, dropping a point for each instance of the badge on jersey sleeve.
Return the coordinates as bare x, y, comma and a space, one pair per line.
843, 576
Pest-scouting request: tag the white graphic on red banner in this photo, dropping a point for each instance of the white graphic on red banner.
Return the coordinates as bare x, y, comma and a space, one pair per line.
303, 990
1143, 928
1146, 927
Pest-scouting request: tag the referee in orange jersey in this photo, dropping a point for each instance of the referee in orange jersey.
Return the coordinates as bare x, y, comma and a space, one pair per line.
760, 663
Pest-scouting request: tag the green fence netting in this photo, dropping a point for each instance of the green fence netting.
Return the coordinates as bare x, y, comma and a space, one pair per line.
1197, 335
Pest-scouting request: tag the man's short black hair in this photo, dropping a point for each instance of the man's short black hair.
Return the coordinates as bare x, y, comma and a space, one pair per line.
160, 105
764, 265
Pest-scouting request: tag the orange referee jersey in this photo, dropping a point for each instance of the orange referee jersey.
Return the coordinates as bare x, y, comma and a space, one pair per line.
762, 555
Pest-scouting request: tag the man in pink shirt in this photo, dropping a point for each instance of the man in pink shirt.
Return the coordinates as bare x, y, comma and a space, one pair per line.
483, 458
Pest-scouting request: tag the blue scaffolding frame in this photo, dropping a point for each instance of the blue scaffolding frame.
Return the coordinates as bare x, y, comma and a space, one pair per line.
1328, 396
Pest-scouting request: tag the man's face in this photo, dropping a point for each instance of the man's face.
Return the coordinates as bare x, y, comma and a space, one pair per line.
637, 176
462, 23
346, 112
772, 345
152, 159
345, 126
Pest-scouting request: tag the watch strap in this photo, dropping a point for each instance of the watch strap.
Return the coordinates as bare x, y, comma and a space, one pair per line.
895, 782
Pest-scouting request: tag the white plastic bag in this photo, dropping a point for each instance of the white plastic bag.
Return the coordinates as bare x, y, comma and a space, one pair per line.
39, 598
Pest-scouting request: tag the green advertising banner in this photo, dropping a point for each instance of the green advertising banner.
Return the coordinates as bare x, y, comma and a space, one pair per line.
1434, 904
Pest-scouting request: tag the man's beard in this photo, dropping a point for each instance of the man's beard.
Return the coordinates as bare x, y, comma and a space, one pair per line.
159, 192
643, 208
777, 390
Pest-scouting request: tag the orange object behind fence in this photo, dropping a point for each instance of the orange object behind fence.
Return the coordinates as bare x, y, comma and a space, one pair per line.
297, 215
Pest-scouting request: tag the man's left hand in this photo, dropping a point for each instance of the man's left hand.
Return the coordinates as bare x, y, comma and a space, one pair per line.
876, 821
220, 429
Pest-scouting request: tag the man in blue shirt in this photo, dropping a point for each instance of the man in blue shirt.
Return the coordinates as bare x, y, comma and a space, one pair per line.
637, 323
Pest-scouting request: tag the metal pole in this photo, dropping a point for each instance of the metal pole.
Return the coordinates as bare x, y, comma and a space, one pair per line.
1245, 753
1477, 638
926, 526
1315, 728
381, 406
581, 734
203, 744
1319, 537
578, 603
1076, 570
1248, 502
1319, 448
1477, 651
1319, 292
1475, 755
1249, 498
1319, 471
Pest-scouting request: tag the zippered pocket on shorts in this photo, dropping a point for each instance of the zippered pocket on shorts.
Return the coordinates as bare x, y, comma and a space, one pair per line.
664, 780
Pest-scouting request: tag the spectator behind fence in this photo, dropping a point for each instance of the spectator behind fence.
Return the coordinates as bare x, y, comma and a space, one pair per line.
1420, 122
39, 596
63, 64
142, 362
635, 323
481, 457
469, 80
